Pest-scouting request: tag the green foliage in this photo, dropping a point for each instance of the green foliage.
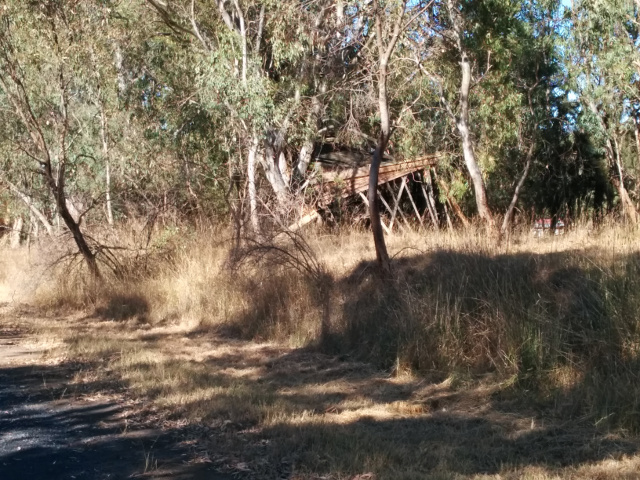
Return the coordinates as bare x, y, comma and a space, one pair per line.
179, 118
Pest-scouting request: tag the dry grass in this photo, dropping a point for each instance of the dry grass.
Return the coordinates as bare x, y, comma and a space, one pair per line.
471, 363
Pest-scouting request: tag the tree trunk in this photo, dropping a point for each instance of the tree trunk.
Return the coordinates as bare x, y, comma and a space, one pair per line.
374, 210
429, 197
384, 53
260, 30
446, 214
613, 154
243, 37
29, 230
508, 216
274, 176
463, 123
251, 180
81, 243
340, 12
57, 188
283, 167
467, 145
627, 204
628, 208
235, 205
16, 233
304, 158
105, 152
117, 61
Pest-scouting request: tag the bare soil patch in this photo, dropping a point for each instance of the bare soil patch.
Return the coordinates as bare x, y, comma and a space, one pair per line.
51, 429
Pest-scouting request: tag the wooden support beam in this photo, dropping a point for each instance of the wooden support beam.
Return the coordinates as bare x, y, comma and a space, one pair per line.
366, 202
428, 210
431, 203
386, 205
352, 181
415, 209
396, 206
347, 182
384, 202
446, 213
400, 211
305, 219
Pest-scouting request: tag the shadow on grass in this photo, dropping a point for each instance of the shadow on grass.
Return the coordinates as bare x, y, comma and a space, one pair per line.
559, 332
555, 334
320, 415
563, 325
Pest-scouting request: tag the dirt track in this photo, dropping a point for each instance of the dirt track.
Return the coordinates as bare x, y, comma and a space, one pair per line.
46, 433
85, 419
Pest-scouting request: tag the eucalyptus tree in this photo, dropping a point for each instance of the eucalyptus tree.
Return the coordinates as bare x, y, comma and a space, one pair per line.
40, 82
258, 67
516, 101
602, 61
458, 34
490, 65
392, 23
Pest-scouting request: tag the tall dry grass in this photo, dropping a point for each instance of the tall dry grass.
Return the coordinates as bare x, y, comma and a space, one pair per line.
558, 317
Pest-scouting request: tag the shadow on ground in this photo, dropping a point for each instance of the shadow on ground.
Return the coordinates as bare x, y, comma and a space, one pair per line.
342, 418
525, 318
45, 433
336, 408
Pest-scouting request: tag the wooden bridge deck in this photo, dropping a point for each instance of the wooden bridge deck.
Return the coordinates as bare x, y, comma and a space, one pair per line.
349, 182
353, 181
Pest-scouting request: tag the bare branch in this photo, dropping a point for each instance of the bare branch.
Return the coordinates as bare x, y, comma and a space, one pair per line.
166, 18
29, 202
226, 18
196, 30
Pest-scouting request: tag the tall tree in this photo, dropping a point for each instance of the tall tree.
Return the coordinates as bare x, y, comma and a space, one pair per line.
42, 106
462, 120
384, 52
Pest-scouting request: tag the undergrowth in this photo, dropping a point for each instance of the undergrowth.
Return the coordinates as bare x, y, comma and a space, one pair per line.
557, 318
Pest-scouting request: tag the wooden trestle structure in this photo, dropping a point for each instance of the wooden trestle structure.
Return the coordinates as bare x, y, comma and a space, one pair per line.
350, 181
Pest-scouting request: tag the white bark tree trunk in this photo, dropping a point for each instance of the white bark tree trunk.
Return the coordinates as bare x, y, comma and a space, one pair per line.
243, 37
627, 204
29, 203
508, 216
274, 176
16, 233
251, 180
384, 54
105, 153
304, 158
463, 121
613, 155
